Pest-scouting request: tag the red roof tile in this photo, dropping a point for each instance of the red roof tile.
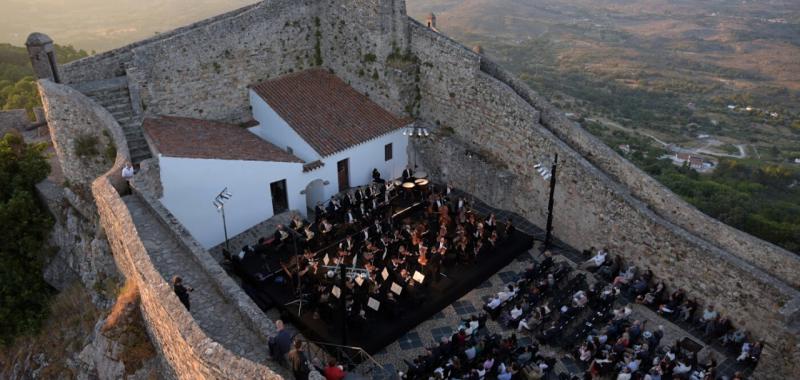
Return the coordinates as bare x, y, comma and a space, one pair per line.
326, 112
195, 138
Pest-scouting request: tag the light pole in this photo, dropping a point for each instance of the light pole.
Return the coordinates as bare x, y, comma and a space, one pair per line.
549, 174
219, 204
415, 131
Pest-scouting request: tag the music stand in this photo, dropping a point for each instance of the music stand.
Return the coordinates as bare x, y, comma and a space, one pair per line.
299, 291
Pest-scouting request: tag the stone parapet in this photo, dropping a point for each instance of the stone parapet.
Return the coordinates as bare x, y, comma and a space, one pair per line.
80, 130
253, 316
765, 255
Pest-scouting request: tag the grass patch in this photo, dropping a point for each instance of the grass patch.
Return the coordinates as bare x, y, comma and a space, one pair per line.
85, 145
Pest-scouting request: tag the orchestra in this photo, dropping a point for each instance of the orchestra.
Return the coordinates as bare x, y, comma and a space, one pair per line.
391, 249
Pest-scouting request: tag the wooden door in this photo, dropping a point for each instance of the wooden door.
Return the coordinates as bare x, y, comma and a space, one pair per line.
343, 169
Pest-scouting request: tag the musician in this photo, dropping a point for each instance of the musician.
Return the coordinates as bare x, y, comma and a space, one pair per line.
407, 174
490, 222
365, 235
374, 204
331, 209
297, 223
377, 229
347, 244
280, 236
376, 175
349, 217
510, 229
319, 212
326, 228
309, 236
435, 264
492, 240
348, 200
362, 211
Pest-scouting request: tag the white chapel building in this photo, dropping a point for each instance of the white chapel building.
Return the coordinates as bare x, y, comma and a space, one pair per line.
315, 136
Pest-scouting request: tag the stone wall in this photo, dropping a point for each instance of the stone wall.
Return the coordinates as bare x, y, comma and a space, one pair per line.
775, 260
13, 119
488, 134
185, 350
74, 120
365, 42
203, 70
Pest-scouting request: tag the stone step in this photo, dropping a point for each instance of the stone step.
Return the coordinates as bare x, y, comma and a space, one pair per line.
140, 151
138, 144
115, 108
123, 118
112, 98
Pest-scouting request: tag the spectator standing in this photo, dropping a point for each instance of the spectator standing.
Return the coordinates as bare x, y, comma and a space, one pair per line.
280, 344
127, 174
181, 291
298, 360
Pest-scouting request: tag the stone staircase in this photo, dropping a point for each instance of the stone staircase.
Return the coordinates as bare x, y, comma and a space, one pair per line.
114, 95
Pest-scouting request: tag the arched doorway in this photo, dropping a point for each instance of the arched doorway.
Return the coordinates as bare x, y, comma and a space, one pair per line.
315, 192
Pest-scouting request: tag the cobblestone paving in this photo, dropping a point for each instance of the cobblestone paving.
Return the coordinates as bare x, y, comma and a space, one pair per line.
220, 320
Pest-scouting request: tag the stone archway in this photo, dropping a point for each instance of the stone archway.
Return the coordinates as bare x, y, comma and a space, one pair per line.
315, 192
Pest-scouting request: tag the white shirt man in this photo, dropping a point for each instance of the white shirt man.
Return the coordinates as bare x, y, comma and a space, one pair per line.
597, 260
516, 312
127, 172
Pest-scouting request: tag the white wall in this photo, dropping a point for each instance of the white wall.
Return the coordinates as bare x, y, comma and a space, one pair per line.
363, 158
274, 129
190, 186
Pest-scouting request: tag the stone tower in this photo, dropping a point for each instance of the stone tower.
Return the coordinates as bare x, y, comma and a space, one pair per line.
431, 21
43, 56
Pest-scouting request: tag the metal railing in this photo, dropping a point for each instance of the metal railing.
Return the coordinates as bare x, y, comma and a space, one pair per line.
354, 359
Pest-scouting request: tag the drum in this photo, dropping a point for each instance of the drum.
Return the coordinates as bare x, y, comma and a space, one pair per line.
420, 174
398, 182
422, 184
408, 185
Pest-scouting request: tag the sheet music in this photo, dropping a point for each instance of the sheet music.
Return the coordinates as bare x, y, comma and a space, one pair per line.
336, 291
418, 277
373, 304
385, 274
396, 289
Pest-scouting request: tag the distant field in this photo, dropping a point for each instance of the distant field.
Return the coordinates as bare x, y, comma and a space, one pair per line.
670, 67
103, 24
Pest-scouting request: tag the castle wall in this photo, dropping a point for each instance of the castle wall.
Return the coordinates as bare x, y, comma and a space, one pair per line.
481, 115
13, 119
364, 42
185, 350
203, 70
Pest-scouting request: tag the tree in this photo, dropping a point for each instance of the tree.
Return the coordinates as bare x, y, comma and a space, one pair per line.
23, 292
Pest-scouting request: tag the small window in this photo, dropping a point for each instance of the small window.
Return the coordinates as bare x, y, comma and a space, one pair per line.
290, 150
387, 152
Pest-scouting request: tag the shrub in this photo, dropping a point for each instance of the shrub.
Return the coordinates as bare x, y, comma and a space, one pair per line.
86, 145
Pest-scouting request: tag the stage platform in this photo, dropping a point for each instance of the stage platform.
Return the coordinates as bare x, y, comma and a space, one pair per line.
378, 331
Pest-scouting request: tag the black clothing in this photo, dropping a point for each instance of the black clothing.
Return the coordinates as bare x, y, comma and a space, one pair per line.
183, 294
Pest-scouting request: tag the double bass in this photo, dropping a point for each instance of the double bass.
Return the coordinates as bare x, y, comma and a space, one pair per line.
423, 255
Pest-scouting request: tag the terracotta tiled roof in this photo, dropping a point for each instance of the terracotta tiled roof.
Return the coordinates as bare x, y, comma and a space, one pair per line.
195, 138
326, 112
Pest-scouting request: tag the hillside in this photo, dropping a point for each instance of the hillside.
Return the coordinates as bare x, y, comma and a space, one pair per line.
17, 87
716, 79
